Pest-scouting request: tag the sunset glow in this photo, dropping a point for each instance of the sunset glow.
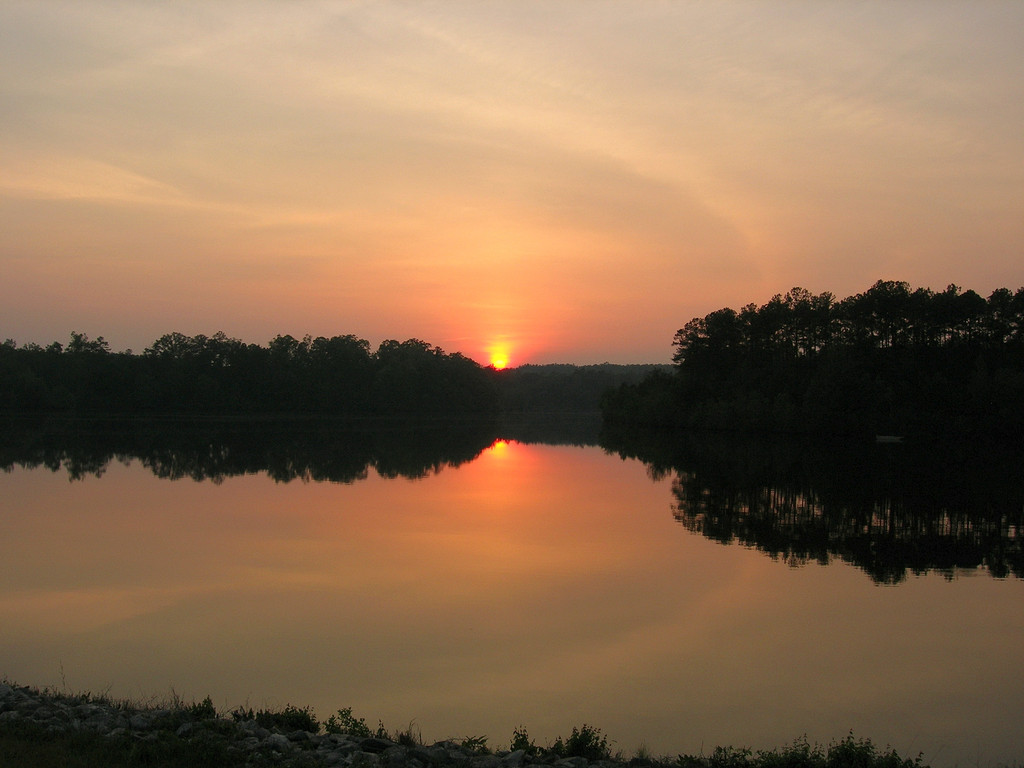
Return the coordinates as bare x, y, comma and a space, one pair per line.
497, 355
578, 180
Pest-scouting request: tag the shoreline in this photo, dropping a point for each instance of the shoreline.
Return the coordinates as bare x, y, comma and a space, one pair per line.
43, 727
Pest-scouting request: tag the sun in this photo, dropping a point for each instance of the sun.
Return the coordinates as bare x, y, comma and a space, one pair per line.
498, 354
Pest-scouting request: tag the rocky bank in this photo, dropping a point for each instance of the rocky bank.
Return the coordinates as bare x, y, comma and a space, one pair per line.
246, 741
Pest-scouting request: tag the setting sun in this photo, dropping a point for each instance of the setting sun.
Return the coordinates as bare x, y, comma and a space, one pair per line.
498, 354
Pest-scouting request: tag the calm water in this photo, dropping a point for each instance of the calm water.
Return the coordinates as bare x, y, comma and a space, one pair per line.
518, 584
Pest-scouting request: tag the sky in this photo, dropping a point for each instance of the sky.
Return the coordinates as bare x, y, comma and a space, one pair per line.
558, 181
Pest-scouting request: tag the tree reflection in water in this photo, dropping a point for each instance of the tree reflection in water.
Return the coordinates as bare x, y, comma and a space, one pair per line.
891, 510
321, 450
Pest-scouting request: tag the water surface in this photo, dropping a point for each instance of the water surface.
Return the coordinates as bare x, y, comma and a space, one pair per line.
506, 585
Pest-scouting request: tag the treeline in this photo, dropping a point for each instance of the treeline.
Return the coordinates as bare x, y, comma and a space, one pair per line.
332, 376
218, 375
888, 360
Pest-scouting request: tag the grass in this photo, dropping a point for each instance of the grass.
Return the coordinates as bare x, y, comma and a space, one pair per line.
291, 718
26, 743
847, 753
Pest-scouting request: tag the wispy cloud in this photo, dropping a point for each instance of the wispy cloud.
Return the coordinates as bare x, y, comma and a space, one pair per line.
434, 159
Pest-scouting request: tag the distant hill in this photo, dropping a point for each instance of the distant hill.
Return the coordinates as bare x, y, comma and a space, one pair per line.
566, 387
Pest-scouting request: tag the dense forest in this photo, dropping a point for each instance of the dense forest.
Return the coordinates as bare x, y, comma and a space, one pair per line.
218, 374
890, 360
337, 376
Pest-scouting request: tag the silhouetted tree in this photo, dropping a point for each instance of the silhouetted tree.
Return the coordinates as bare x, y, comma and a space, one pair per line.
219, 374
887, 359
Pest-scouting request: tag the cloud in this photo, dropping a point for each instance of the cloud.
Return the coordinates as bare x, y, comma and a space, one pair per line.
675, 157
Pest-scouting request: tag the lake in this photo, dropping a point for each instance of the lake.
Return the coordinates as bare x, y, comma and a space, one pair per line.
471, 586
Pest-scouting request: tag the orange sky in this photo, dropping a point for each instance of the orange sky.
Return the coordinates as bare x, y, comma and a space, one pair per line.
565, 181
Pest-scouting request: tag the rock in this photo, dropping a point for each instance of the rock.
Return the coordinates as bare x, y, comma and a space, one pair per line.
435, 755
341, 741
395, 756
85, 711
514, 759
365, 760
255, 745
250, 744
374, 745
27, 706
279, 742
185, 730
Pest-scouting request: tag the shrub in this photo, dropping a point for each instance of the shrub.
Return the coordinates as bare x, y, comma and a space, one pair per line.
291, 718
585, 741
848, 753
476, 745
204, 710
345, 722
521, 740
861, 753
410, 737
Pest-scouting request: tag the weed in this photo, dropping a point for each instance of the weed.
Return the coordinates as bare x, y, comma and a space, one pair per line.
475, 745
410, 737
848, 753
345, 722
585, 741
204, 710
521, 740
240, 714
730, 757
861, 752
291, 718
23, 742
